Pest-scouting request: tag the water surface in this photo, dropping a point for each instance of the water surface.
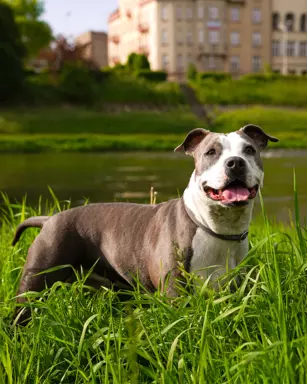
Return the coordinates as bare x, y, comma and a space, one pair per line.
129, 177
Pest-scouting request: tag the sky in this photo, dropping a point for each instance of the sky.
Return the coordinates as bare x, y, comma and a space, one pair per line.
73, 17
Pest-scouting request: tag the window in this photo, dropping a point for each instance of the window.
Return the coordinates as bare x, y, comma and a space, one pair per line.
291, 48
211, 63
235, 14
289, 21
164, 36
213, 13
213, 37
256, 15
304, 73
234, 63
276, 48
179, 13
189, 38
275, 21
256, 38
201, 36
180, 63
189, 13
235, 38
164, 62
179, 37
256, 63
303, 48
164, 12
200, 12
303, 23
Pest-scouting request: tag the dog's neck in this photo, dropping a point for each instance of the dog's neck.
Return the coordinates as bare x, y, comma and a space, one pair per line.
220, 219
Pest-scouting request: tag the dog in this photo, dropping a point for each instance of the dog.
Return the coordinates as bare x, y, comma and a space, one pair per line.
208, 225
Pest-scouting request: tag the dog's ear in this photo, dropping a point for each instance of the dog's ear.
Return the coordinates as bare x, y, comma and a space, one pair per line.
258, 135
191, 142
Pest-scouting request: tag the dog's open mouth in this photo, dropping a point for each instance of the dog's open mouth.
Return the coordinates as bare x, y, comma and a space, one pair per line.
234, 192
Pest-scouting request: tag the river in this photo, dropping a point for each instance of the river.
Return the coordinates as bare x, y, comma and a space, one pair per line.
129, 177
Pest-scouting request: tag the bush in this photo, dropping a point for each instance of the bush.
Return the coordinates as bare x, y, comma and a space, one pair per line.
154, 76
12, 53
141, 62
216, 76
78, 85
192, 72
131, 62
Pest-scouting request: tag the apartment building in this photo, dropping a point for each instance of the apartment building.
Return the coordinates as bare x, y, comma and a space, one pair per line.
172, 34
249, 35
237, 36
95, 47
289, 36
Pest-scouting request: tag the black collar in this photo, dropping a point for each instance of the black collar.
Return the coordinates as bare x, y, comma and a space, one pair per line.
239, 238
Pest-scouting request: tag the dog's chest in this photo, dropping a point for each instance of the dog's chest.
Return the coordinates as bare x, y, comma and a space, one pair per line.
209, 251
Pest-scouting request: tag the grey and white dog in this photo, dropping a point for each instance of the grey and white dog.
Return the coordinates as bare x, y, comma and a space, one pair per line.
208, 225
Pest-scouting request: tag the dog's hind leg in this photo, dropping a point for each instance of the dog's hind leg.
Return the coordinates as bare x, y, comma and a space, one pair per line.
43, 255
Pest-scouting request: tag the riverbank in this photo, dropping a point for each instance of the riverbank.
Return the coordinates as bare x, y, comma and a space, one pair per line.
72, 129
77, 334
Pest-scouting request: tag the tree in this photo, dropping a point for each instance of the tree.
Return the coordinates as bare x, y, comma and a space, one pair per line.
192, 72
36, 34
12, 52
136, 62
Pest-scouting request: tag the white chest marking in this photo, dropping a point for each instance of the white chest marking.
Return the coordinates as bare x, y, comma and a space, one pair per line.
212, 256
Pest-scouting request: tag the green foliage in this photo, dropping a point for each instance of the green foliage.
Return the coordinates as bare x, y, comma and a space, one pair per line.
137, 62
254, 334
192, 72
288, 90
216, 76
154, 76
11, 55
36, 33
131, 61
141, 62
78, 84
129, 89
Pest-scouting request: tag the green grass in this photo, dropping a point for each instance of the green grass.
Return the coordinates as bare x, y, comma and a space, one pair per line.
125, 89
80, 129
278, 92
257, 334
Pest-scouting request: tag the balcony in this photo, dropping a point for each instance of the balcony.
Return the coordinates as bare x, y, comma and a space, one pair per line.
143, 28
115, 39
115, 60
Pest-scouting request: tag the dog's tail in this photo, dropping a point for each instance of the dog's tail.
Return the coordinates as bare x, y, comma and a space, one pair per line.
37, 221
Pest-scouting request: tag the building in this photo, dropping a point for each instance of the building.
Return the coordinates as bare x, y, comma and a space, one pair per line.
249, 35
289, 36
237, 36
95, 47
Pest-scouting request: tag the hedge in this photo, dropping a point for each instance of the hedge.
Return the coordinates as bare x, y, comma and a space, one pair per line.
216, 76
155, 76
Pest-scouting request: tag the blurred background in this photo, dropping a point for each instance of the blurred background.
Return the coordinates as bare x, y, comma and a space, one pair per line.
95, 95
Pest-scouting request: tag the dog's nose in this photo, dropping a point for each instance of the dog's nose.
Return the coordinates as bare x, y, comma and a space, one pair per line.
235, 163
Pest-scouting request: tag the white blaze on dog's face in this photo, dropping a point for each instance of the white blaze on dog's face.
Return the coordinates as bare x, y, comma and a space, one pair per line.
228, 168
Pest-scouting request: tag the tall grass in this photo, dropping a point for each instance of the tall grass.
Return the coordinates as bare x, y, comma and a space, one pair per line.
257, 334
278, 92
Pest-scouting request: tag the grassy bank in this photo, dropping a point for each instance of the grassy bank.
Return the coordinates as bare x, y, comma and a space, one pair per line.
254, 335
245, 92
80, 129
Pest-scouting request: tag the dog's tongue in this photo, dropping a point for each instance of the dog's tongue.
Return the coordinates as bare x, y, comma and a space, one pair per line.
232, 194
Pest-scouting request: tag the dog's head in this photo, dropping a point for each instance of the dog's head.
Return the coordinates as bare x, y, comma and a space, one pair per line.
228, 168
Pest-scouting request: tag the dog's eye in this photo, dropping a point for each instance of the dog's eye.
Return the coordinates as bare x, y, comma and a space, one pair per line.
211, 152
250, 150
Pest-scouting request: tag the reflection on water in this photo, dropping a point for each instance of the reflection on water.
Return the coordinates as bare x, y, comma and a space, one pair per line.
129, 177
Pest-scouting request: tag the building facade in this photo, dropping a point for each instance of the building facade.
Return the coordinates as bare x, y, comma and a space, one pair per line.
289, 36
237, 36
95, 47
